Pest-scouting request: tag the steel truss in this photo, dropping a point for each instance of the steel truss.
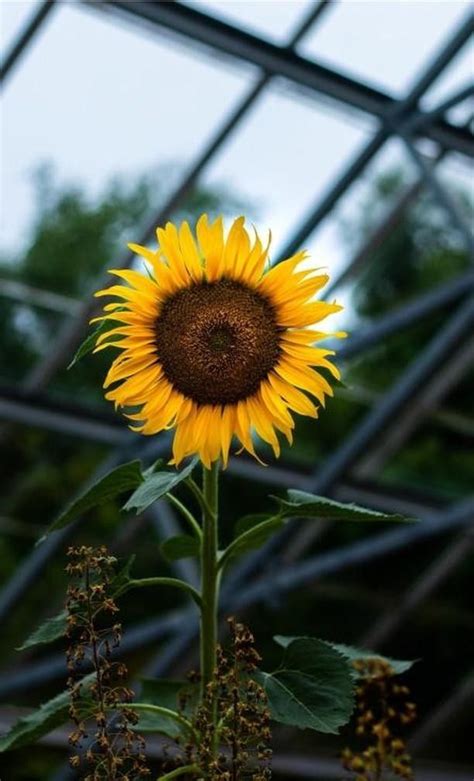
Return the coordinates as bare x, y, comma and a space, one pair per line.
403, 118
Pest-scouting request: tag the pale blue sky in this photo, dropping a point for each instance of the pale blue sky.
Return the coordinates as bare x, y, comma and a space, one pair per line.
99, 96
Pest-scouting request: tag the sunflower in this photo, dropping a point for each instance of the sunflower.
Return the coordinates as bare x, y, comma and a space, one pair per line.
214, 342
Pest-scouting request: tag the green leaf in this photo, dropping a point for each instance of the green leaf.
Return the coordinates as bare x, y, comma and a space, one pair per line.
248, 522
121, 580
301, 504
55, 627
398, 666
254, 532
51, 629
119, 480
167, 694
89, 342
155, 485
312, 689
354, 654
183, 546
47, 717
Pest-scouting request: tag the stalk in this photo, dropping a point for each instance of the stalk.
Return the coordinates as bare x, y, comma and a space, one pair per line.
209, 576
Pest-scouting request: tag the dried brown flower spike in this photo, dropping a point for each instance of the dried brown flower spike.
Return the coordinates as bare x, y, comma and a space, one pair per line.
105, 745
382, 712
242, 738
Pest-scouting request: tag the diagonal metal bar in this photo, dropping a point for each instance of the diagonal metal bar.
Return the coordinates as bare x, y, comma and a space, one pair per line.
428, 398
407, 315
439, 191
431, 579
25, 38
461, 698
415, 376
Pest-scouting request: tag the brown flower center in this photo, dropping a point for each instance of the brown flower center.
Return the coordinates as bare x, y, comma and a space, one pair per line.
217, 341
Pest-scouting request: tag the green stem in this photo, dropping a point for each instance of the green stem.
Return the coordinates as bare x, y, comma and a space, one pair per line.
198, 494
175, 582
171, 714
209, 576
187, 515
180, 771
237, 544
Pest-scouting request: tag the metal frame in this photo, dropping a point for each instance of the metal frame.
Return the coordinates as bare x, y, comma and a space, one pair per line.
407, 398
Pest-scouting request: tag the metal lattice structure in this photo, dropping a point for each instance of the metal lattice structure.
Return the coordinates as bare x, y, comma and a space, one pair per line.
396, 414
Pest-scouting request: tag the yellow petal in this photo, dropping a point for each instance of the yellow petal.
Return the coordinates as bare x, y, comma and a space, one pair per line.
190, 252
211, 242
227, 426
236, 242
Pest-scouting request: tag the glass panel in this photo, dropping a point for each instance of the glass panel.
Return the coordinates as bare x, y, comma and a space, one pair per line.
15, 15
456, 76
382, 43
285, 157
272, 20
99, 99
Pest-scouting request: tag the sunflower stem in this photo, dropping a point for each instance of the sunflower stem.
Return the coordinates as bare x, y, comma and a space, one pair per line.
209, 580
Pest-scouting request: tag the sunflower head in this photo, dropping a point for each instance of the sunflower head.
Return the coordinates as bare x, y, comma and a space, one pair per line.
214, 342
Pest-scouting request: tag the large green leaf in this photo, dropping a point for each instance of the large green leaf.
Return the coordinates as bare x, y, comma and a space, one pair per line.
183, 546
155, 485
312, 688
301, 504
119, 480
51, 629
47, 717
398, 666
166, 694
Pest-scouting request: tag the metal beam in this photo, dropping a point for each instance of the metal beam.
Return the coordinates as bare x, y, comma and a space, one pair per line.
419, 372
407, 315
26, 36
439, 192
461, 698
33, 296
454, 367
423, 587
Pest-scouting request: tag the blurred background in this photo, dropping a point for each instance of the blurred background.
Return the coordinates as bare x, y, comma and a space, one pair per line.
345, 128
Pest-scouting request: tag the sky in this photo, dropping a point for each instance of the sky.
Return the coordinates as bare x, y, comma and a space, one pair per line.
96, 95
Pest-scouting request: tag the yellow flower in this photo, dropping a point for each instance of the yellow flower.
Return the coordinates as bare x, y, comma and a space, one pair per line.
214, 343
